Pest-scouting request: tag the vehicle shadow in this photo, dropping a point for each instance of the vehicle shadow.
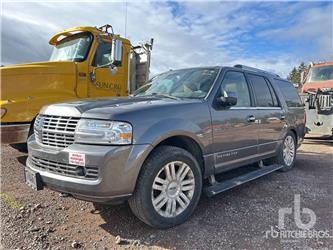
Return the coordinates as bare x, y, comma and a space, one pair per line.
328, 142
120, 221
231, 215
22, 159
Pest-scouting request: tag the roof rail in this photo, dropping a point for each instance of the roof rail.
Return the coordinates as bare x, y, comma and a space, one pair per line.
254, 69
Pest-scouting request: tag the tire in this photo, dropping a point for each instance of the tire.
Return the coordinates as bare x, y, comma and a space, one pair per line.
281, 158
154, 182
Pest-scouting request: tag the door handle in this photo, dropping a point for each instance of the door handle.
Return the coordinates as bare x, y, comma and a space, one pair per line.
251, 118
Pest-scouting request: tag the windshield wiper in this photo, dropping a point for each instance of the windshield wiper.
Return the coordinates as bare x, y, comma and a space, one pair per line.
165, 95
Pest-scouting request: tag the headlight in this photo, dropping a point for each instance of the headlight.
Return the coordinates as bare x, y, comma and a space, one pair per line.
103, 132
3, 112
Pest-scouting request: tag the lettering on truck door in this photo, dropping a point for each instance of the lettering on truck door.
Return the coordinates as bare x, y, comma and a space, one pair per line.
106, 83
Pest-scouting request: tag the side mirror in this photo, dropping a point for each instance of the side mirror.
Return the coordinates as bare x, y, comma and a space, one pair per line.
228, 99
116, 51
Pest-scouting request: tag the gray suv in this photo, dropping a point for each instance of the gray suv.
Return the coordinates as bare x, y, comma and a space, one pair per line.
174, 138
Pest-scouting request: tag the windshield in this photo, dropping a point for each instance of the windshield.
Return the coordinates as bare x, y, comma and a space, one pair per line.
321, 73
74, 48
184, 83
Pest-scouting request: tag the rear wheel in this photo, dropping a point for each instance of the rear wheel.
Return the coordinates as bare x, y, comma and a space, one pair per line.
287, 153
168, 188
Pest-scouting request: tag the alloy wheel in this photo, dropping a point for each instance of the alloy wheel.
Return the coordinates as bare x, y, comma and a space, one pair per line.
288, 150
173, 189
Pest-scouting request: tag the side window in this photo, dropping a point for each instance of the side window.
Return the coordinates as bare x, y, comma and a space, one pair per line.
289, 93
261, 90
235, 82
103, 54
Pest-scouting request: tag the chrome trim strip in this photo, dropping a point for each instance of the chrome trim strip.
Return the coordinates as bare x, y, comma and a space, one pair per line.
257, 145
256, 108
237, 149
20, 125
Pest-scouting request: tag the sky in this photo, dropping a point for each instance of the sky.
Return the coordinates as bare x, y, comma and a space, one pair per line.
274, 36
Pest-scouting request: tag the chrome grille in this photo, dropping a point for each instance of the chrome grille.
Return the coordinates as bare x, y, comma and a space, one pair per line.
88, 172
55, 131
325, 102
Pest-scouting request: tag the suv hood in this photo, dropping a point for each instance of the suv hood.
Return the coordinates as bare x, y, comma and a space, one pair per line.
27, 81
113, 108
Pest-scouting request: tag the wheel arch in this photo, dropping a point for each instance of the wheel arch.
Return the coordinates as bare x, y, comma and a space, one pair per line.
182, 141
294, 131
187, 143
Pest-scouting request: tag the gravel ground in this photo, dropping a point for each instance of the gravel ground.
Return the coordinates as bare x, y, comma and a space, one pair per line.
236, 219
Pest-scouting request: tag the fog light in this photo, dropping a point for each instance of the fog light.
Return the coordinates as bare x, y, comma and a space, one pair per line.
3, 112
80, 171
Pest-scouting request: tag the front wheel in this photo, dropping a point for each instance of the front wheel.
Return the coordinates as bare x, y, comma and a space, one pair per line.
168, 188
287, 152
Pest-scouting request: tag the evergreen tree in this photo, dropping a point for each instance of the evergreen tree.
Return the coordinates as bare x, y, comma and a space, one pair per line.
295, 74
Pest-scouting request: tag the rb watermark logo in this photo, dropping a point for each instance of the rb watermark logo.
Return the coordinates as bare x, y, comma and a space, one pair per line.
297, 215
305, 228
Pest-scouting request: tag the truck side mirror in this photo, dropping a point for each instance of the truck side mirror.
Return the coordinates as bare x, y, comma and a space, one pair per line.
228, 99
116, 51
302, 77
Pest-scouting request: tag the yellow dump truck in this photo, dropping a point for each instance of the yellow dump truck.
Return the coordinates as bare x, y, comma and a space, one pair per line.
86, 62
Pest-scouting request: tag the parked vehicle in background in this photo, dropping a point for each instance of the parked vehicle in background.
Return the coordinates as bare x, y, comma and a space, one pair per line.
86, 62
317, 93
159, 148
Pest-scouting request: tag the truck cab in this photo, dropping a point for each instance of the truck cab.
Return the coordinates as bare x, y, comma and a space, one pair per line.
86, 62
317, 93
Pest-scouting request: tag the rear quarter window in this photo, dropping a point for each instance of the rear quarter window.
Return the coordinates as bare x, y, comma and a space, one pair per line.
289, 93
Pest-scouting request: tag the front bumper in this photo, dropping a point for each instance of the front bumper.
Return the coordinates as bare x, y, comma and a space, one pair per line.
118, 169
319, 124
15, 133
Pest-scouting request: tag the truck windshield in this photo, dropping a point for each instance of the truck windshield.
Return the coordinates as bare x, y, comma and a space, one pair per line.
184, 83
74, 48
321, 74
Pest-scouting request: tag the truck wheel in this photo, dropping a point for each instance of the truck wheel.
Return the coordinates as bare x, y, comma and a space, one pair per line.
287, 153
168, 188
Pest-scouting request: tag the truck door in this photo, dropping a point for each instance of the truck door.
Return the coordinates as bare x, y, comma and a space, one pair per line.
234, 129
106, 83
270, 115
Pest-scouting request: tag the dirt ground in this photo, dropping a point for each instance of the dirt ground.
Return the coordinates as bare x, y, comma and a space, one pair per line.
240, 218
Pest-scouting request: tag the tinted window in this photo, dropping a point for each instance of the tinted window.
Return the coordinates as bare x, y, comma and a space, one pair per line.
103, 54
261, 91
236, 82
290, 94
275, 100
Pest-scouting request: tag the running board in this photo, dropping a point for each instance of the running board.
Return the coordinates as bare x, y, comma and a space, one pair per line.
219, 187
